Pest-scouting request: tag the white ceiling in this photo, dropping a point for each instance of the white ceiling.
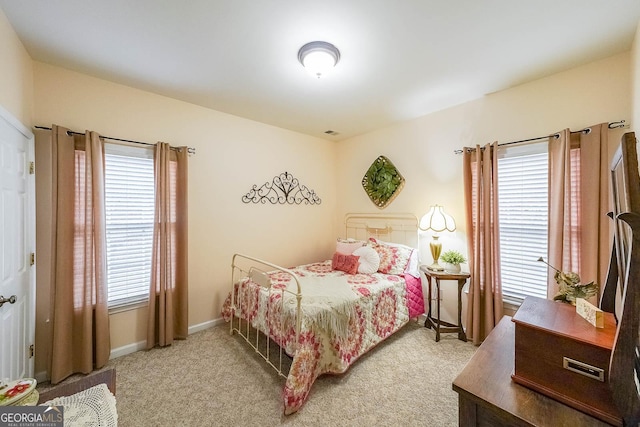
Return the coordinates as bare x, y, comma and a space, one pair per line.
400, 58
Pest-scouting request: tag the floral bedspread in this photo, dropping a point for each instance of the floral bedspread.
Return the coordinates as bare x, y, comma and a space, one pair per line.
378, 309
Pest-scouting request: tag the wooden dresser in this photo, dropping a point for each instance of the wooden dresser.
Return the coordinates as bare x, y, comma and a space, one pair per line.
489, 397
548, 341
560, 354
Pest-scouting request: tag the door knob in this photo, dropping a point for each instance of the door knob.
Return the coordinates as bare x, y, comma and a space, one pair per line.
10, 300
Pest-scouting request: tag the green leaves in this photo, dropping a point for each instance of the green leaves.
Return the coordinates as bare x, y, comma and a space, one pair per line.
453, 257
382, 182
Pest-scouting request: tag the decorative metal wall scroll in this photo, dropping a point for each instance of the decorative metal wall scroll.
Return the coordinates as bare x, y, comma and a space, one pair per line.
382, 182
282, 190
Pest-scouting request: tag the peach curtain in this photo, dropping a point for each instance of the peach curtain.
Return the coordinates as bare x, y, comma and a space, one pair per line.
78, 255
578, 204
484, 309
168, 310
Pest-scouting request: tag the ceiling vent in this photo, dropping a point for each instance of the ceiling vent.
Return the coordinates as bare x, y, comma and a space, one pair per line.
331, 132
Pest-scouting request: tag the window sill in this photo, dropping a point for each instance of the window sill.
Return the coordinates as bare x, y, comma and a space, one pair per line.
511, 304
134, 305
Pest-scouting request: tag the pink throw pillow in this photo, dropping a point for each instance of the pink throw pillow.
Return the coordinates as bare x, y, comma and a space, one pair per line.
346, 263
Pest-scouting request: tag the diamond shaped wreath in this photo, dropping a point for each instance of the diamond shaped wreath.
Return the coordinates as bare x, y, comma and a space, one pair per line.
382, 182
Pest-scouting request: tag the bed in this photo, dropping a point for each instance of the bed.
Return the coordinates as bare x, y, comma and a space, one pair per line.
321, 317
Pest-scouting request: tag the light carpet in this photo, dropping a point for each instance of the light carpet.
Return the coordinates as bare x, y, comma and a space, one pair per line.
215, 379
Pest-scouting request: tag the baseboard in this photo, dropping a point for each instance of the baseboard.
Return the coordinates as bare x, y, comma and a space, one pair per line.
422, 318
141, 345
41, 376
127, 349
205, 325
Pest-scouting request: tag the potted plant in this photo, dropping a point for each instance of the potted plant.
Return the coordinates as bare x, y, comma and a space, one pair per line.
452, 260
569, 286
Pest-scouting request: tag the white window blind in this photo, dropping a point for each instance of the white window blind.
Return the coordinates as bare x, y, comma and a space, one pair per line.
523, 210
129, 216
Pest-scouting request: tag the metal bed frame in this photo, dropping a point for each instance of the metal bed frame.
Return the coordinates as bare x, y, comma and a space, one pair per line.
395, 228
261, 277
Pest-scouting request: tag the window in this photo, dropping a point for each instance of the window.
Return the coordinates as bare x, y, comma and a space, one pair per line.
129, 205
523, 210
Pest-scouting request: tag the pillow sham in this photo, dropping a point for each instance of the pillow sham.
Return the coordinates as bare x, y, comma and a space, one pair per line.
346, 263
413, 268
347, 246
369, 260
393, 259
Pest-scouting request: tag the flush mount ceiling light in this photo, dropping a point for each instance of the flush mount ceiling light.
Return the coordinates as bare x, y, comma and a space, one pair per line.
318, 58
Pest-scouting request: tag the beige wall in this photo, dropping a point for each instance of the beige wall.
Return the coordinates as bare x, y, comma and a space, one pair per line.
422, 149
635, 78
16, 74
233, 154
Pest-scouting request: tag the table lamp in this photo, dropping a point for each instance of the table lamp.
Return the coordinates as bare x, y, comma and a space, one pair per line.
436, 220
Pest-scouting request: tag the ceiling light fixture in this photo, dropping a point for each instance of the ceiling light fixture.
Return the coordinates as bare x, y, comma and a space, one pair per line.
318, 57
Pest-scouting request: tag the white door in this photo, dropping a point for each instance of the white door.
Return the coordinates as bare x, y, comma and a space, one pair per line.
17, 242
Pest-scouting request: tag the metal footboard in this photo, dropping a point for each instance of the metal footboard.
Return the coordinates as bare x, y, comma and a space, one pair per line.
245, 266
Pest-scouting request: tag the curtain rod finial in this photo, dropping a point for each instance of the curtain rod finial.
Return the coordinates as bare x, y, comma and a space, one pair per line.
618, 124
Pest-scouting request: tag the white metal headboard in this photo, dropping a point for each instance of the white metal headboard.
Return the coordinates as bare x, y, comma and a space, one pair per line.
392, 227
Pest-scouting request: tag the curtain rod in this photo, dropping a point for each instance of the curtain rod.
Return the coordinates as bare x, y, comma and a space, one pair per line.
190, 150
612, 125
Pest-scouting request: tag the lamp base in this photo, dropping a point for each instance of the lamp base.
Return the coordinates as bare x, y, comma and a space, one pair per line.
435, 267
435, 247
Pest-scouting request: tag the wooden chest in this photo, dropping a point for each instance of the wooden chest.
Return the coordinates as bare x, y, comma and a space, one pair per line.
561, 355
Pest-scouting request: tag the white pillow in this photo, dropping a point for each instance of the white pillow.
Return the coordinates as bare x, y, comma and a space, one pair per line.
414, 265
369, 261
347, 246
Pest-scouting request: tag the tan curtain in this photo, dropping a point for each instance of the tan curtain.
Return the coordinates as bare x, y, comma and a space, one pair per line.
168, 312
78, 276
578, 204
484, 309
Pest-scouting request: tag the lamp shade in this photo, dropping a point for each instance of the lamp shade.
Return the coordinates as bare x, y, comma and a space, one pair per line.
318, 57
437, 220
